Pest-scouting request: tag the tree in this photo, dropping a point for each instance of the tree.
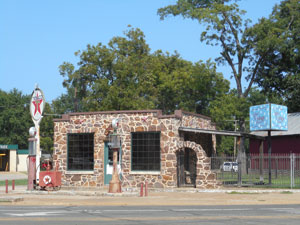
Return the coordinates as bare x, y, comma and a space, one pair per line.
15, 118
125, 75
114, 77
185, 85
226, 110
66, 103
46, 130
225, 27
280, 73
15, 121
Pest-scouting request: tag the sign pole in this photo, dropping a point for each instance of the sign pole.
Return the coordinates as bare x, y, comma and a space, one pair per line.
37, 105
269, 154
38, 150
268, 117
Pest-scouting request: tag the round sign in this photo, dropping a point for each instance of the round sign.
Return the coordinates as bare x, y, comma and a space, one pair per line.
37, 104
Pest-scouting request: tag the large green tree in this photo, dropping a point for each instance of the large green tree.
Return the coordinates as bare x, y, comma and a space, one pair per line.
280, 73
226, 27
126, 75
15, 119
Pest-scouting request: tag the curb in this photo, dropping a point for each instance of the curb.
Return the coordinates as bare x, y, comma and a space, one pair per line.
82, 193
10, 199
131, 193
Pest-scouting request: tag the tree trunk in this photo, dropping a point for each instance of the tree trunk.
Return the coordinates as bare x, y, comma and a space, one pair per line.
241, 148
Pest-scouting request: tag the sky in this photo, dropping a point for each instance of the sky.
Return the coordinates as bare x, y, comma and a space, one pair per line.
36, 36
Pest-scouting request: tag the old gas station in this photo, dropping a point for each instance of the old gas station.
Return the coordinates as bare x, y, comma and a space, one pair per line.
12, 159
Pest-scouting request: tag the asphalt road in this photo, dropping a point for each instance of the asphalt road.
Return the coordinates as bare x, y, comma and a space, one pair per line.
233, 215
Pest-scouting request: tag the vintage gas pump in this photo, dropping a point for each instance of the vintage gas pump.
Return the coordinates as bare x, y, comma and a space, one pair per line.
31, 159
114, 144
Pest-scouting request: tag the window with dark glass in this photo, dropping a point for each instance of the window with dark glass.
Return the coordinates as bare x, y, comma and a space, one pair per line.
145, 151
81, 151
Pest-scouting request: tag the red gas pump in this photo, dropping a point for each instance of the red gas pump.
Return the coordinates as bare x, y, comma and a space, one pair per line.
50, 180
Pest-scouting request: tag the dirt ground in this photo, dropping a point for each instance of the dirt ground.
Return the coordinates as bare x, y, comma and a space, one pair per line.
67, 197
157, 198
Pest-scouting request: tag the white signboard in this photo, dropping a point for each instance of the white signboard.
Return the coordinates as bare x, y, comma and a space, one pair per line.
37, 104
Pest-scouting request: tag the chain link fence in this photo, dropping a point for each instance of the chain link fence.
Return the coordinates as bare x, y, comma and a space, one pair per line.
254, 170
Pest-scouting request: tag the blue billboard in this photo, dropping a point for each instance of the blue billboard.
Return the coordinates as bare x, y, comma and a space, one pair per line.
268, 117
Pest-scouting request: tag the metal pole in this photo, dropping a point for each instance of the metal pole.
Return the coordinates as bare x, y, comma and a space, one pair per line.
291, 163
239, 163
292, 170
6, 186
38, 151
261, 154
234, 146
269, 154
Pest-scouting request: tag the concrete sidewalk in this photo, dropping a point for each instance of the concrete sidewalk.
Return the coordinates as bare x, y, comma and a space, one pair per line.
13, 175
177, 196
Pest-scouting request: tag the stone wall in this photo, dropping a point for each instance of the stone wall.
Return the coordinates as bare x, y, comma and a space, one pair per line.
132, 121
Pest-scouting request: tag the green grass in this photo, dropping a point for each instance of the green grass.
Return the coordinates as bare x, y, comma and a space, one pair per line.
286, 192
17, 182
253, 180
243, 193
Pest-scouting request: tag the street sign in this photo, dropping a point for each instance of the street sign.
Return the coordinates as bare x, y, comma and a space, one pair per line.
37, 104
268, 117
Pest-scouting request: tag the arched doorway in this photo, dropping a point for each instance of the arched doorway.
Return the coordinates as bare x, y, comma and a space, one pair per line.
186, 168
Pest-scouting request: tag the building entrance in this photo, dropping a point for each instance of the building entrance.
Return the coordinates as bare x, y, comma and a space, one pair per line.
186, 168
4, 160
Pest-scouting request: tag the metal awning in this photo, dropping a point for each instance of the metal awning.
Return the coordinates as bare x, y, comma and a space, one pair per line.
220, 132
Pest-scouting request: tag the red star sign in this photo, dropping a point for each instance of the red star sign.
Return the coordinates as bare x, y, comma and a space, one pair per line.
37, 103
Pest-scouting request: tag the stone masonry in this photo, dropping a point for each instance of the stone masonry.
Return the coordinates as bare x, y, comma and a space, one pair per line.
99, 123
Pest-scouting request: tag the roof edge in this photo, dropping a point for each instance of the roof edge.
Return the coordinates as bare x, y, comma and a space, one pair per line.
178, 114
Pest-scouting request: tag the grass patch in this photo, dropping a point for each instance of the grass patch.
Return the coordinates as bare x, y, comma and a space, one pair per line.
286, 192
253, 180
245, 193
17, 182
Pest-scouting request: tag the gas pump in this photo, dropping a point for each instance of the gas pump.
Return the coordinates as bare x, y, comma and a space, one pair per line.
31, 159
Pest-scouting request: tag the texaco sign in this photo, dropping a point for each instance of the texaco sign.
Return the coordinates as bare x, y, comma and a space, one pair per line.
37, 104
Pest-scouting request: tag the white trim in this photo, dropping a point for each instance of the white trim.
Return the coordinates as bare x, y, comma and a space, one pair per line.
79, 172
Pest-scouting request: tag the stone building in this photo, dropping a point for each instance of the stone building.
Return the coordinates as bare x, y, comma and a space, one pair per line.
155, 148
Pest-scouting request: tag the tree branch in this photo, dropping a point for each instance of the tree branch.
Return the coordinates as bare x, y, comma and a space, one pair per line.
229, 60
240, 54
253, 74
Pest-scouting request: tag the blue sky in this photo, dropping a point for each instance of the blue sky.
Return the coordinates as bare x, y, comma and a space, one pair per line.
37, 36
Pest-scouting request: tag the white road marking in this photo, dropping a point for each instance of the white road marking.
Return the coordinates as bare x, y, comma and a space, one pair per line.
188, 210
135, 210
35, 213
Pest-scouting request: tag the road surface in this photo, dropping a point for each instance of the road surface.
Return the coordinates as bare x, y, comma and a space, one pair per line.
175, 215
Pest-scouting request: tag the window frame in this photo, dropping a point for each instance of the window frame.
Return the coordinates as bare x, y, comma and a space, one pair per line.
93, 152
132, 158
